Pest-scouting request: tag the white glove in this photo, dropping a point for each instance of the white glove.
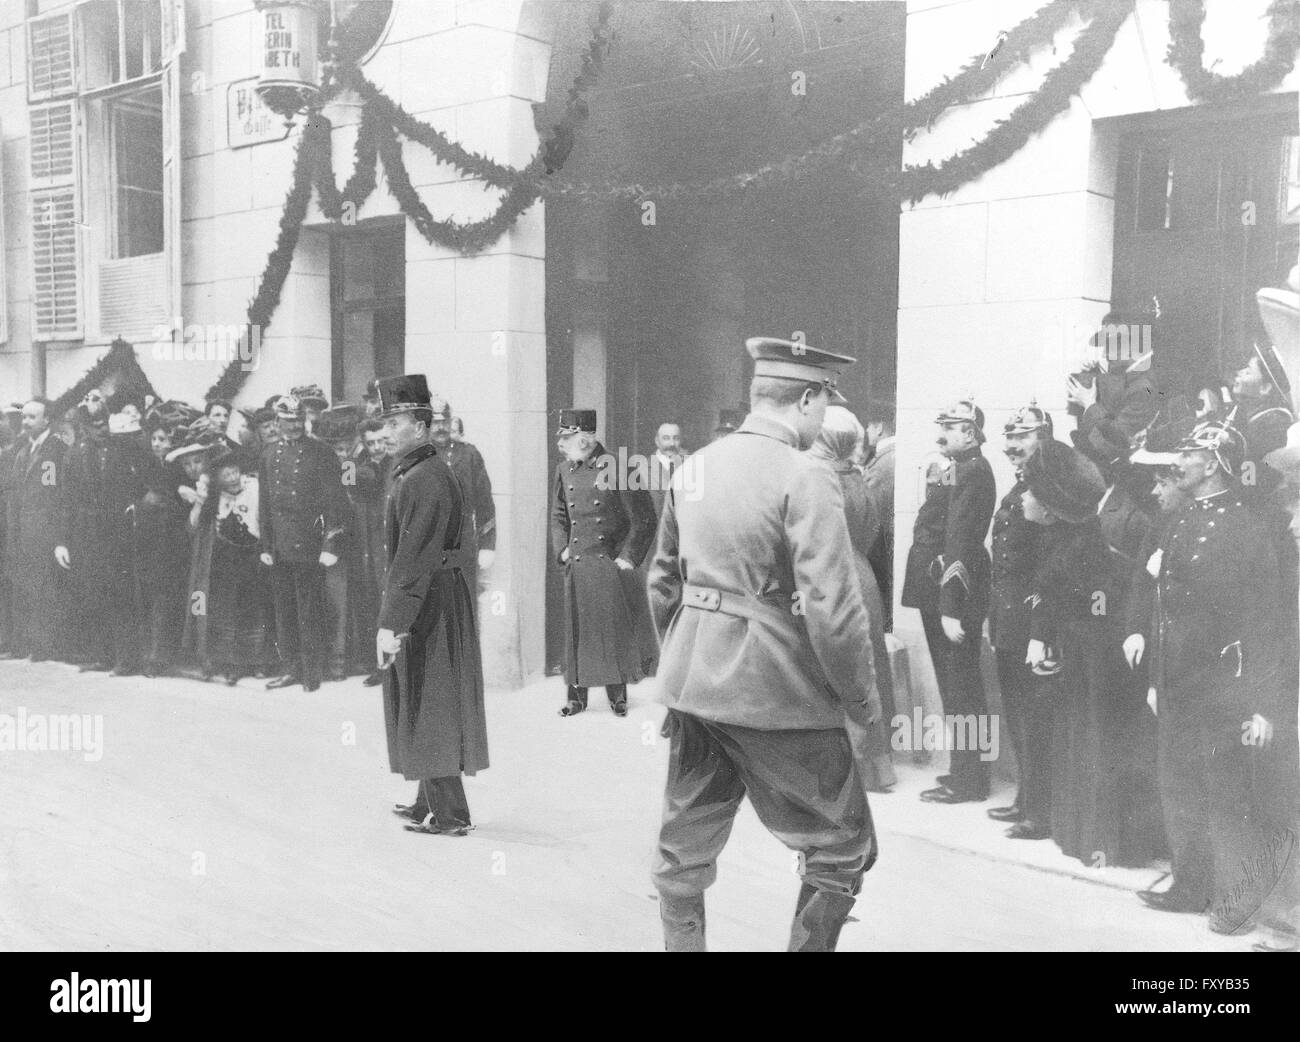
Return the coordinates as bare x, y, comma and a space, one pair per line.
1151, 700
485, 558
266, 559
61, 555
953, 629
1036, 653
387, 645
328, 559
1135, 645
623, 563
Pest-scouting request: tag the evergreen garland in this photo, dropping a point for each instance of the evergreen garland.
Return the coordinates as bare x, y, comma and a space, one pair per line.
1187, 50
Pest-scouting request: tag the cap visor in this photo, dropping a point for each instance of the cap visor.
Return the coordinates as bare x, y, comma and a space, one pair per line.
1143, 458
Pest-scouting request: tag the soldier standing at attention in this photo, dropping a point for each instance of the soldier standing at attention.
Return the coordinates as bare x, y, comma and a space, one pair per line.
948, 580
303, 513
1016, 550
600, 532
766, 664
1211, 621
427, 645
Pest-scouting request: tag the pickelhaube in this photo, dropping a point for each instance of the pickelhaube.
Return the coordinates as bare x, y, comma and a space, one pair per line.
1029, 418
963, 411
1222, 439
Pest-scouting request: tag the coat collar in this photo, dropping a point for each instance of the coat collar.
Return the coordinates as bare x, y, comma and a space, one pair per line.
417, 455
592, 461
769, 427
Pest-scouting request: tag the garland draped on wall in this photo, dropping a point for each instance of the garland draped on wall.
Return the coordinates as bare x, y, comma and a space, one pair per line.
384, 123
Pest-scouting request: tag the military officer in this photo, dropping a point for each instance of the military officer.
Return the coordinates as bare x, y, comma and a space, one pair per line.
947, 578
766, 665
427, 644
303, 519
1016, 543
1212, 593
466, 462
601, 529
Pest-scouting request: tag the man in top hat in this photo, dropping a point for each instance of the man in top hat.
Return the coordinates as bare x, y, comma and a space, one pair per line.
303, 523
427, 644
466, 462
1016, 543
766, 665
947, 578
1211, 620
601, 529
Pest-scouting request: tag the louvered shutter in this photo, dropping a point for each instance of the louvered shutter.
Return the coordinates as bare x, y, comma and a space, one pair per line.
50, 70
55, 245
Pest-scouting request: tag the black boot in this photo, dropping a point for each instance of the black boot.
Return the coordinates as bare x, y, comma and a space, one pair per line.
577, 701
818, 918
617, 694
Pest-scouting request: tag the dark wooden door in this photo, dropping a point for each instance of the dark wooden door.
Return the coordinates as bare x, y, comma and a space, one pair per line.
1201, 222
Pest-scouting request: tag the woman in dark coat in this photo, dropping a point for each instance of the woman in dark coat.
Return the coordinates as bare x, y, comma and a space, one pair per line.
841, 432
1101, 814
600, 531
227, 626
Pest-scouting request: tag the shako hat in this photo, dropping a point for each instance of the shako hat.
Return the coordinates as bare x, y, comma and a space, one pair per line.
574, 420
399, 394
337, 423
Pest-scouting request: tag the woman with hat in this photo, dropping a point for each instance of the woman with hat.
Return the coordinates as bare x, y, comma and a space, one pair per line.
228, 626
840, 435
164, 538
1102, 812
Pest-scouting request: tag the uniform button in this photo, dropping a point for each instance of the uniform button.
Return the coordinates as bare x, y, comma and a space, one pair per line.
577, 558
575, 539
570, 488
572, 506
595, 502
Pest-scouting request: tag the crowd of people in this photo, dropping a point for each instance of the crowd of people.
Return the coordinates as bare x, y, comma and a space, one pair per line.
1141, 596
145, 537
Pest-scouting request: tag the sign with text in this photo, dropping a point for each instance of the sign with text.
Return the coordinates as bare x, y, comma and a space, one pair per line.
248, 120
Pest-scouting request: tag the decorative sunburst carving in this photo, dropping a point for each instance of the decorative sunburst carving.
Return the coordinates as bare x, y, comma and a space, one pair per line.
726, 48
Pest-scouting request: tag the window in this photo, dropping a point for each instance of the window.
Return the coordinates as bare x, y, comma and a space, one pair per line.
121, 41
136, 128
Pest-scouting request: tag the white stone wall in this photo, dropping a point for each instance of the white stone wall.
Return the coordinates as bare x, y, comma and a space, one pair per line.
990, 275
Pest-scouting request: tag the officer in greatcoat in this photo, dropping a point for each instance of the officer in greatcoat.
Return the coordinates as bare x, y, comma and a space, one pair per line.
1016, 543
427, 644
304, 519
947, 578
1210, 620
602, 525
766, 662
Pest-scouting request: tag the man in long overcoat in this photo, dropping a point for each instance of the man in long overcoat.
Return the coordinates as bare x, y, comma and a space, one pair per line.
767, 664
36, 522
601, 528
427, 644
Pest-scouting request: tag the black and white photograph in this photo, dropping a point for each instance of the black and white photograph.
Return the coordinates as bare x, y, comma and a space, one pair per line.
651, 475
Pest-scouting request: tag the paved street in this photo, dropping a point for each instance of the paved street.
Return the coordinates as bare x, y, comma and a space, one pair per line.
221, 818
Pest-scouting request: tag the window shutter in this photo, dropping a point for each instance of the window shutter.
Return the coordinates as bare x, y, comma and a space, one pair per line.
50, 70
173, 40
56, 261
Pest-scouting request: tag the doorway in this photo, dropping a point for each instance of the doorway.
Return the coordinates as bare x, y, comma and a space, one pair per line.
1205, 214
